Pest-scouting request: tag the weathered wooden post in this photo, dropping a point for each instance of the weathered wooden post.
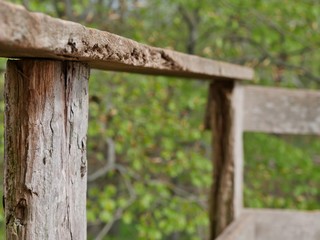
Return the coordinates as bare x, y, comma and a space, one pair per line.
46, 119
224, 117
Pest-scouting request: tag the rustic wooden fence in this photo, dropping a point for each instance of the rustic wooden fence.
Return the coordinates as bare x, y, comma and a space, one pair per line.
270, 110
46, 115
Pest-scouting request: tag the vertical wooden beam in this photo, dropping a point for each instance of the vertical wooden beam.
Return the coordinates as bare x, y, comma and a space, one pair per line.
238, 108
225, 120
46, 119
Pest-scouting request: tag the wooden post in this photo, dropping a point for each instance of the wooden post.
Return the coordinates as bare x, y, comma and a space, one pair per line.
225, 111
46, 118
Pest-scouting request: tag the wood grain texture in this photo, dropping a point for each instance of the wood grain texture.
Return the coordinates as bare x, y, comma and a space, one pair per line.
46, 118
225, 200
25, 34
278, 110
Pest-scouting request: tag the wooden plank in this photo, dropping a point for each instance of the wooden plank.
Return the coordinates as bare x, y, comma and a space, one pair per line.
238, 150
285, 224
46, 119
25, 34
241, 229
266, 224
225, 120
278, 110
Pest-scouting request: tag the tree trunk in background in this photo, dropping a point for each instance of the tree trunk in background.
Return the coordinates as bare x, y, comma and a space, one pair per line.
226, 125
46, 119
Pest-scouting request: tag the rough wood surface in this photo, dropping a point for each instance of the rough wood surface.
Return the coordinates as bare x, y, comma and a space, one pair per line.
25, 34
45, 150
278, 110
225, 146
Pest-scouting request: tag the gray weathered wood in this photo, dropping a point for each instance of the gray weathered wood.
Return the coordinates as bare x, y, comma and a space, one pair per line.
241, 229
237, 104
275, 224
25, 34
284, 224
276, 110
45, 150
225, 120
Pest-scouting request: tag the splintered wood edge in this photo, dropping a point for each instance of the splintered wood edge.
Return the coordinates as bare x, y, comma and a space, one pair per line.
35, 35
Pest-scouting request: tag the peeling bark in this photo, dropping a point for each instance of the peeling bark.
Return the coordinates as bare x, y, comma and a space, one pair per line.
45, 150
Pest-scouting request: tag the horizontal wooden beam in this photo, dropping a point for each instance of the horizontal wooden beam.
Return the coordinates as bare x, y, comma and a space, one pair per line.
241, 229
276, 110
285, 224
35, 35
266, 224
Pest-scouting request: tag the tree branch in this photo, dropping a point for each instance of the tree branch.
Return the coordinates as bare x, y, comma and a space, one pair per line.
178, 191
192, 20
109, 166
119, 212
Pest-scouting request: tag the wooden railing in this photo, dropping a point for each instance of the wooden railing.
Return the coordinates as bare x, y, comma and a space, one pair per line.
46, 93
266, 224
35, 35
259, 109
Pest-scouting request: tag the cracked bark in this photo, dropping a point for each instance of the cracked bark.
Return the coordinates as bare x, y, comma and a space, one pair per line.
45, 152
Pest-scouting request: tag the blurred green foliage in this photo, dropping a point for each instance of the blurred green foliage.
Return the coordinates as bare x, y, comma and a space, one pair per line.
282, 171
150, 131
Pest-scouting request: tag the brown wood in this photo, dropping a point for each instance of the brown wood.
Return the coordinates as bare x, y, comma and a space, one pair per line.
278, 110
25, 34
225, 200
45, 149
